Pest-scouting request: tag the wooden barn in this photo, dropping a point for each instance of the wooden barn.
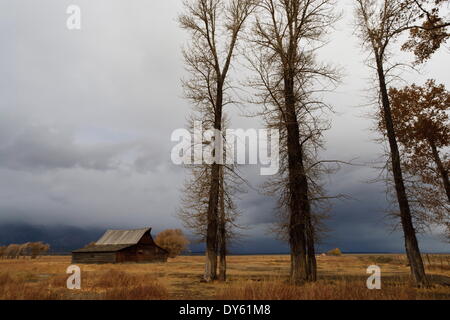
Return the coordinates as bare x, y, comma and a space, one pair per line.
122, 246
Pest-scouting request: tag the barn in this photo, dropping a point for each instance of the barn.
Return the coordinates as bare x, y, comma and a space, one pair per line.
122, 246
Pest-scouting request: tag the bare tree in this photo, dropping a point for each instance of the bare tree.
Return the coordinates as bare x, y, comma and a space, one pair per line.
285, 37
12, 251
380, 23
214, 26
31, 249
228, 229
194, 210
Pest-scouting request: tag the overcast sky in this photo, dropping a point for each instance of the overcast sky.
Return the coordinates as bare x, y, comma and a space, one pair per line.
86, 118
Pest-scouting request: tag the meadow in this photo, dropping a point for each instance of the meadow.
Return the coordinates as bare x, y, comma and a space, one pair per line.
249, 277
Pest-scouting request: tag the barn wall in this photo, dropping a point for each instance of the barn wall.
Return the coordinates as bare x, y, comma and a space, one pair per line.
93, 257
142, 253
147, 239
147, 253
127, 255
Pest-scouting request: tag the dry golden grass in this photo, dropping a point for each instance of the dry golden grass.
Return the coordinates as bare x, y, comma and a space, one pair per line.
249, 277
322, 290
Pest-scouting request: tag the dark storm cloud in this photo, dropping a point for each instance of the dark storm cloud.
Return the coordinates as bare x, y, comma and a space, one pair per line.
357, 224
258, 209
24, 146
41, 148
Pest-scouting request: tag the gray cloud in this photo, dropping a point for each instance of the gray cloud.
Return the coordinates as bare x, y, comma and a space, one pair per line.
44, 148
86, 119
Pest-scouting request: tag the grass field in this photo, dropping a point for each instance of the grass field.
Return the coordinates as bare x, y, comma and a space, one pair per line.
249, 277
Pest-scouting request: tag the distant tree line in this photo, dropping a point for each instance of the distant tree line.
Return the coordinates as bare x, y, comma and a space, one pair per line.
29, 249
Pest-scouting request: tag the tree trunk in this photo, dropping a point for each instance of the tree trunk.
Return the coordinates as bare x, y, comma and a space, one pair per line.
222, 241
211, 232
442, 171
312, 262
212, 216
223, 261
411, 244
302, 264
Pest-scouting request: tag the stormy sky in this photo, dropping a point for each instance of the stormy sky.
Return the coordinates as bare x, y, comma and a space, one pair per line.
86, 118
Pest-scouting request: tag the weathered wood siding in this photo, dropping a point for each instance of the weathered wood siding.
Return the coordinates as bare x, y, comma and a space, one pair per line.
147, 253
142, 253
94, 257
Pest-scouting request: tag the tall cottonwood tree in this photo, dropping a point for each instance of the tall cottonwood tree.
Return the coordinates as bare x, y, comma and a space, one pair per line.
380, 22
195, 201
316, 171
215, 27
283, 42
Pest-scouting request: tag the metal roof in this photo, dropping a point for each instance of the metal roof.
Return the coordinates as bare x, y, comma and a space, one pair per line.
103, 248
122, 237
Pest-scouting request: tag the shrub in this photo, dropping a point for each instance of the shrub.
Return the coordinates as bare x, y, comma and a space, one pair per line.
335, 252
38, 248
173, 240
